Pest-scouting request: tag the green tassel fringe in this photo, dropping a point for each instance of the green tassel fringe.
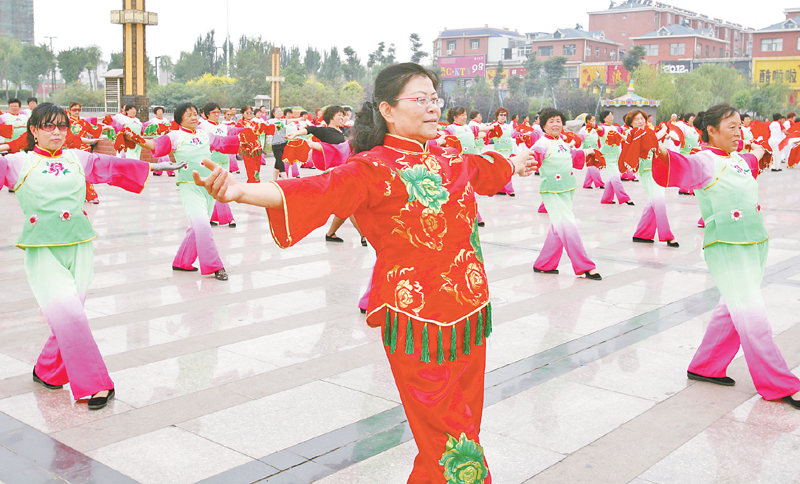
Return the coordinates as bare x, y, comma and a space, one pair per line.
426, 353
453, 343
394, 334
409, 338
488, 329
440, 350
387, 330
466, 338
479, 331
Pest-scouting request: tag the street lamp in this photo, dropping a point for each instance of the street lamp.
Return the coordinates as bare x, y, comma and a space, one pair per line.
156, 66
53, 85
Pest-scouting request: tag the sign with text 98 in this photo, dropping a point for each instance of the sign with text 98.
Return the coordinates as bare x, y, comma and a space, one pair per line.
462, 67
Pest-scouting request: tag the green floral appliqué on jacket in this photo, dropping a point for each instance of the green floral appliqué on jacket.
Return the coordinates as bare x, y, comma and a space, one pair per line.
425, 187
463, 461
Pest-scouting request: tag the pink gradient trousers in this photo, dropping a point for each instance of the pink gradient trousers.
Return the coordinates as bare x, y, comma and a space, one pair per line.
199, 240
654, 216
593, 176
563, 235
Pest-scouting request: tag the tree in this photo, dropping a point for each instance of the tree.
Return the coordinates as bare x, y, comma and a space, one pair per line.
93, 57
332, 66
496, 81
9, 50
391, 58
71, 63
533, 78
353, 70
117, 61
312, 61
37, 61
293, 70
77, 92
202, 60
377, 58
416, 54
634, 58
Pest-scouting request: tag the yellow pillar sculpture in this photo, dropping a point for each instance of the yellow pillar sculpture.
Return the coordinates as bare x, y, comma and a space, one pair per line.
134, 18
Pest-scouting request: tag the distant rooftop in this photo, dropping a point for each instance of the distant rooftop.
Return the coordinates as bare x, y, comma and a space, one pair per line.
651, 4
788, 24
484, 31
570, 34
676, 30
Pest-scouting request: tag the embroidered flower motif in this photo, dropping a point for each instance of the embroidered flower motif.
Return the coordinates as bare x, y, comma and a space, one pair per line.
468, 210
739, 169
65, 215
758, 207
558, 176
425, 187
421, 225
431, 163
736, 215
475, 241
466, 279
463, 461
34, 219
408, 294
85, 214
55, 169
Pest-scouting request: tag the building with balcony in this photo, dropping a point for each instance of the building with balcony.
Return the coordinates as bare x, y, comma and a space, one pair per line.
631, 19
578, 46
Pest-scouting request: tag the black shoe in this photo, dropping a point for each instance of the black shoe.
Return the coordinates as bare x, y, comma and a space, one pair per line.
536, 173
10, 191
629, 202
46, 385
635, 180
363, 311
156, 174
777, 169
502, 193
552, 271
724, 381
644, 241
588, 188
602, 187
364, 241
96, 403
512, 194
595, 277
221, 275
333, 238
213, 223
672, 243
609, 203
481, 224
176, 268
791, 401
232, 224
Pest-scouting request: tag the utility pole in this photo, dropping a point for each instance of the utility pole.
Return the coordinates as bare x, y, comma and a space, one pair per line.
53, 85
156, 66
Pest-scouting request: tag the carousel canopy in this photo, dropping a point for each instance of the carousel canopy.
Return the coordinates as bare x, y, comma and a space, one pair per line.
631, 99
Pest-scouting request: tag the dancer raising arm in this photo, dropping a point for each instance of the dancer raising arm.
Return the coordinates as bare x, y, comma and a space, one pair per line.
416, 205
51, 185
735, 249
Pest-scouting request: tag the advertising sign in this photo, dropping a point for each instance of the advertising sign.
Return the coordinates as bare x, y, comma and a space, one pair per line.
616, 74
783, 70
590, 72
676, 67
462, 67
507, 72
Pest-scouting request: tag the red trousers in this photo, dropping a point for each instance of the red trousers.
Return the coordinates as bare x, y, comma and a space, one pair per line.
252, 165
440, 400
90, 193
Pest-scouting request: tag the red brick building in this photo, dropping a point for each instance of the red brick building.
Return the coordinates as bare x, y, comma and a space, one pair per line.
776, 51
631, 19
678, 42
578, 46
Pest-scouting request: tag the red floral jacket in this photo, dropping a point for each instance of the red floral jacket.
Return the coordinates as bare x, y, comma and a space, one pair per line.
416, 206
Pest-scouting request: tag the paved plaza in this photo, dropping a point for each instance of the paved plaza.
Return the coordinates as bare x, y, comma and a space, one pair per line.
274, 376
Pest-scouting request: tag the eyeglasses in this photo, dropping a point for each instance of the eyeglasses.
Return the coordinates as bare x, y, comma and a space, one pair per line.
424, 102
50, 127
76, 110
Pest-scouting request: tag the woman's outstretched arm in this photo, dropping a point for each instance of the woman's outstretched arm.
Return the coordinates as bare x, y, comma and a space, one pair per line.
224, 187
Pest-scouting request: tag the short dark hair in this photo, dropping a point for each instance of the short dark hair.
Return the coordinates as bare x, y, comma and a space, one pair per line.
155, 109
128, 107
745, 115
288, 110
302, 113
713, 117
370, 127
791, 115
548, 113
454, 112
474, 114
14, 100
45, 113
632, 115
330, 112
499, 111
208, 107
248, 107
180, 111
687, 116
603, 115
32, 99
775, 116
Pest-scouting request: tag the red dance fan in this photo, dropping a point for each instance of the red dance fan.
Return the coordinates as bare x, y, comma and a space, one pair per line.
596, 158
794, 157
638, 145
296, 151
451, 141
614, 138
6, 131
569, 137
495, 132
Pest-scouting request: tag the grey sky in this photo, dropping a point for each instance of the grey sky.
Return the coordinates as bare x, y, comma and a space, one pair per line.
323, 24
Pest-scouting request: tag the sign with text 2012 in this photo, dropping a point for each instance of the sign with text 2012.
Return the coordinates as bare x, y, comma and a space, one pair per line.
466, 66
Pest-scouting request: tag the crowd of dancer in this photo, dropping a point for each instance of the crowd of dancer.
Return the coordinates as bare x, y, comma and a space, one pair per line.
409, 184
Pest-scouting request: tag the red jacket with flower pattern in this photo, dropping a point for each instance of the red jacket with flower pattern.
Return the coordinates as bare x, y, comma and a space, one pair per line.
416, 206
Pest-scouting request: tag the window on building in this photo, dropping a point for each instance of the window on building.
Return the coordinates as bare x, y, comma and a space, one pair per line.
798, 43
669, 18
475, 44
587, 51
771, 45
451, 45
546, 50
698, 50
677, 49
525, 50
572, 72
624, 16
650, 49
569, 49
655, 19
707, 51
613, 54
597, 51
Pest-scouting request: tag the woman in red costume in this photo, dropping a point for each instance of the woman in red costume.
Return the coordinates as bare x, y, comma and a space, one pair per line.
416, 205
89, 135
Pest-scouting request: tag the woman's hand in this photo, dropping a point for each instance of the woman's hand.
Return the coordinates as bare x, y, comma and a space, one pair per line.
663, 152
219, 184
524, 162
757, 150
